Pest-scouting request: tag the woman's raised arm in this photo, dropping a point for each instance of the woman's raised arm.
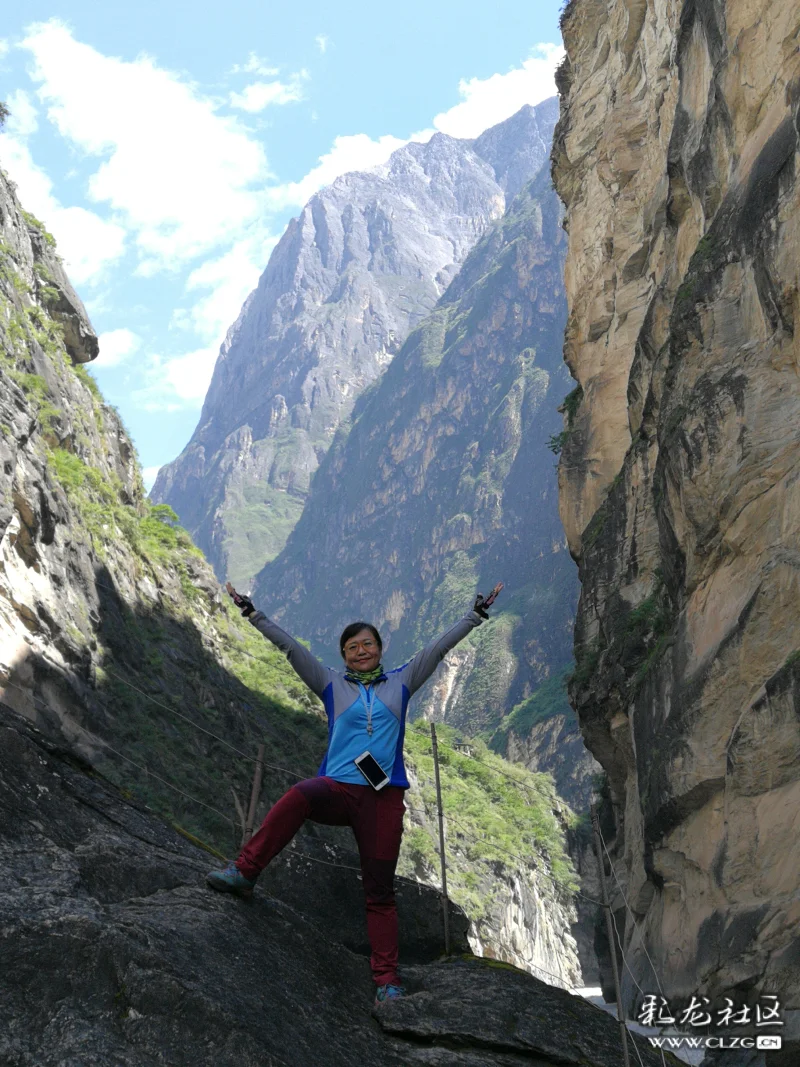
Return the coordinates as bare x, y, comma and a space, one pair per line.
421, 667
305, 665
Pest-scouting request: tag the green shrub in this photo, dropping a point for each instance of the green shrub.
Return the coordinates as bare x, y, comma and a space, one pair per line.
572, 401
549, 700
69, 469
34, 224
556, 441
33, 384
88, 380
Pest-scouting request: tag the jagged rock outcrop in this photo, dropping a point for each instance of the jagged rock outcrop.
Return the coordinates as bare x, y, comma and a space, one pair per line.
104, 605
444, 484
556, 745
364, 262
676, 155
115, 952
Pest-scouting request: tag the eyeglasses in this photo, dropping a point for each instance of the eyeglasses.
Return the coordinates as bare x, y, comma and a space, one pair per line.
368, 645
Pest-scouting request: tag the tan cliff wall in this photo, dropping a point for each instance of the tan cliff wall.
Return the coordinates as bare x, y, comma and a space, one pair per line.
677, 158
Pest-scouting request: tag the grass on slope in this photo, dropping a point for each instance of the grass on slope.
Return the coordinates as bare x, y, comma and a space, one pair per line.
549, 700
496, 814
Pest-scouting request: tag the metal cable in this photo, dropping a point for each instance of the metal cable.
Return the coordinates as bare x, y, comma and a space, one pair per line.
202, 729
633, 917
188, 796
300, 777
635, 926
619, 940
507, 852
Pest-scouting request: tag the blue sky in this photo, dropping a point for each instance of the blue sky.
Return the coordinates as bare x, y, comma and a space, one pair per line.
166, 145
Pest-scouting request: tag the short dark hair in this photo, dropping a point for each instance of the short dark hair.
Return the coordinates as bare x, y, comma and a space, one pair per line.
355, 628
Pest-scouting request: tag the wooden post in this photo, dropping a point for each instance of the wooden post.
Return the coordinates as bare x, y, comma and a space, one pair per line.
445, 902
598, 847
254, 795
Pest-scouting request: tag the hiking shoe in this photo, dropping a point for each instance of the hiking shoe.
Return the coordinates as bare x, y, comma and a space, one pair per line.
389, 992
231, 880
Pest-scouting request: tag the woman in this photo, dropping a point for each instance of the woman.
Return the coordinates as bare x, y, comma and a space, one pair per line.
366, 708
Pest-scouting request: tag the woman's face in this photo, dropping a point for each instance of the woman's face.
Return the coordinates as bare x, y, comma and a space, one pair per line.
362, 652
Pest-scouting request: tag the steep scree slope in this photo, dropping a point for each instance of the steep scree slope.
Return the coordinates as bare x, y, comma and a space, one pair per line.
677, 157
367, 258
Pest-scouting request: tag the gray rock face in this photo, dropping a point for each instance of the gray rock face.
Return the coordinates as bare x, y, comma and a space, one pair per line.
114, 952
556, 746
41, 272
367, 258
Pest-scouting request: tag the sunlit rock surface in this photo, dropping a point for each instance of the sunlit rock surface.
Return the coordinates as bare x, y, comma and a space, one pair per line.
676, 155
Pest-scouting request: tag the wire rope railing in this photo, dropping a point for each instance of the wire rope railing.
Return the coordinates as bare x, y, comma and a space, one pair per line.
524, 860
636, 929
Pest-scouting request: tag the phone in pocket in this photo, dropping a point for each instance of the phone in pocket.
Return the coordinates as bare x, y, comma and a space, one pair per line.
372, 770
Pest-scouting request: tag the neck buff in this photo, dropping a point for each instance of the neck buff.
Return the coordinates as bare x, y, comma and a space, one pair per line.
365, 677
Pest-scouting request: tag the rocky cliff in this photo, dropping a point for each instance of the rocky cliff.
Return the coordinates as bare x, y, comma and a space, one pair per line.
107, 610
676, 155
114, 952
365, 261
442, 483
115, 641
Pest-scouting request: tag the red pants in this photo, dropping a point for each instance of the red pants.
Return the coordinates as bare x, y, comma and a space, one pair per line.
377, 821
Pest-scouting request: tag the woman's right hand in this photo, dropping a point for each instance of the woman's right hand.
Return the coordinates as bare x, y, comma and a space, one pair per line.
243, 602
482, 602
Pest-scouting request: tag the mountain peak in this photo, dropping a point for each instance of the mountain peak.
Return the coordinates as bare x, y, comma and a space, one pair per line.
367, 258
517, 147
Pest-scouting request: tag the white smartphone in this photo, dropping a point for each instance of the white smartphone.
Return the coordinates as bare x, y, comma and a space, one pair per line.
372, 770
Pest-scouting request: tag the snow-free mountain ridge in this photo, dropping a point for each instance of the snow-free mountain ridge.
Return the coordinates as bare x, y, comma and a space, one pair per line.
365, 261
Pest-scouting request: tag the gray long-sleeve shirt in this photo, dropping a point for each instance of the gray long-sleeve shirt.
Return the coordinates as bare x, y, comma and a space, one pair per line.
352, 708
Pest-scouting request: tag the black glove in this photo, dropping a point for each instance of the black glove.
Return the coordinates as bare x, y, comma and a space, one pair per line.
243, 602
482, 603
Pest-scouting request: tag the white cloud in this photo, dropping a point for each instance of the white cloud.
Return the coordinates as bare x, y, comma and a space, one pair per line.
351, 152
181, 177
116, 346
149, 475
230, 279
254, 65
88, 243
22, 121
491, 100
259, 95
174, 383
485, 103
181, 182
